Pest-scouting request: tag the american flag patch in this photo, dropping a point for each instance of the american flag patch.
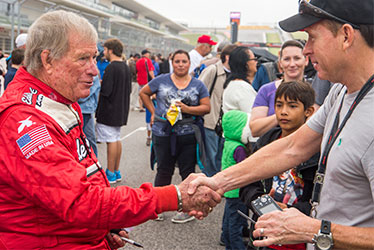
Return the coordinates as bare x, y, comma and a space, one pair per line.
33, 139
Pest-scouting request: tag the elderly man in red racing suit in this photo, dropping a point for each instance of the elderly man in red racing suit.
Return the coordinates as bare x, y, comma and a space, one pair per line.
54, 193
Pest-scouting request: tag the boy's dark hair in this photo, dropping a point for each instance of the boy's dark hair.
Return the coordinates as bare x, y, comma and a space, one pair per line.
115, 45
17, 56
297, 91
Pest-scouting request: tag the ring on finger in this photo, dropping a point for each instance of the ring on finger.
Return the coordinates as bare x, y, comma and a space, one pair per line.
262, 231
210, 209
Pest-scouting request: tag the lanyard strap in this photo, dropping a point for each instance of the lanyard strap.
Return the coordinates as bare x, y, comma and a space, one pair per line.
335, 131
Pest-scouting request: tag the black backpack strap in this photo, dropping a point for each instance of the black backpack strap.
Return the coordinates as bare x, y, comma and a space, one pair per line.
146, 65
214, 82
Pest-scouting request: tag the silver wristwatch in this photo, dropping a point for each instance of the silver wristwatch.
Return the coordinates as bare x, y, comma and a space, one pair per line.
323, 240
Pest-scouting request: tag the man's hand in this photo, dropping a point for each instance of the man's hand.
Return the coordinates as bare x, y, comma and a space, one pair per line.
115, 241
289, 226
201, 202
203, 180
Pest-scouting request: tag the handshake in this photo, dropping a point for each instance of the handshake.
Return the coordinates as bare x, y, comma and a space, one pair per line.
199, 195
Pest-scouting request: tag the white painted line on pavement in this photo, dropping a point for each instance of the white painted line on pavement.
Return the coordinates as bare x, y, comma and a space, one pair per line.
133, 132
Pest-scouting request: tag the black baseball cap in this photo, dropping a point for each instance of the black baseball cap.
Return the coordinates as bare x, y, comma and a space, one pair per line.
145, 52
353, 12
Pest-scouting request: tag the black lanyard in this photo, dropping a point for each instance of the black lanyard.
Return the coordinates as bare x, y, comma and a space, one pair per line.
335, 131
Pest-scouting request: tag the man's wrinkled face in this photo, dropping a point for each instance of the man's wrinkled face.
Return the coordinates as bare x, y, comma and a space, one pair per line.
72, 75
207, 49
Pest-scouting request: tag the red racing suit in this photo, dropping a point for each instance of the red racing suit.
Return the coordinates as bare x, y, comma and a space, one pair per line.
54, 194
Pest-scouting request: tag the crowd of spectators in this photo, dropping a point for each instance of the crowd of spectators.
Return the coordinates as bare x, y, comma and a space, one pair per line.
201, 111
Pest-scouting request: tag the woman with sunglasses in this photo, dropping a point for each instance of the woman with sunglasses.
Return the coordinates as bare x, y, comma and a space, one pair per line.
239, 93
292, 62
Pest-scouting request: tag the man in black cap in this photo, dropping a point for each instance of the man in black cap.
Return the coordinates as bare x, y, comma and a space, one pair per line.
341, 48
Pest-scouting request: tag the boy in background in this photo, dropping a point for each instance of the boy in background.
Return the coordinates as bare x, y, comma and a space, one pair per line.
235, 124
293, 188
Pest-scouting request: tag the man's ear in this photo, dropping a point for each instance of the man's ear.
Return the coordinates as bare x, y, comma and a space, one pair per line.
46, 60
309, 111
227, 58
348, 34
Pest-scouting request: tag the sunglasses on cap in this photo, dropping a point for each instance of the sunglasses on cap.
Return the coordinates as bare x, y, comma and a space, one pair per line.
307, 8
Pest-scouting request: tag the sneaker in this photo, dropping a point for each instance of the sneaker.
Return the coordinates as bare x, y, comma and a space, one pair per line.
118, 175
160, 217
221, 243
110, 176
182, 218
148, 143
222, 240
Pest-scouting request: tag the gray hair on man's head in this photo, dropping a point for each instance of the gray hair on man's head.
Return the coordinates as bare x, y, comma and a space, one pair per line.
51, 32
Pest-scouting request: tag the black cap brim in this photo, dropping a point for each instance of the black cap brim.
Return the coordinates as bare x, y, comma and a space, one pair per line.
298, 22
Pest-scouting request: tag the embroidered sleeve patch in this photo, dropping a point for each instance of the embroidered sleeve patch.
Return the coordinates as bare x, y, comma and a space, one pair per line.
34, 140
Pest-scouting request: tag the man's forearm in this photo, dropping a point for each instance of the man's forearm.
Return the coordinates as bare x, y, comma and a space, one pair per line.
345, 237
261, 125
269, 161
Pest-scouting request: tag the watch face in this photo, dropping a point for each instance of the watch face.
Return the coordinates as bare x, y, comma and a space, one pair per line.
324, 242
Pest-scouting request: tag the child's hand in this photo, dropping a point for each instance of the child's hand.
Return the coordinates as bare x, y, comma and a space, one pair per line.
272, 192
281, 205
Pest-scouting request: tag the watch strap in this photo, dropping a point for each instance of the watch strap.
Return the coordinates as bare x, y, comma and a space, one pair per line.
326, 227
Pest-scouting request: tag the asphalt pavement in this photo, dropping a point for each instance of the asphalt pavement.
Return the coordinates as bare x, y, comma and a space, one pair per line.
160, 235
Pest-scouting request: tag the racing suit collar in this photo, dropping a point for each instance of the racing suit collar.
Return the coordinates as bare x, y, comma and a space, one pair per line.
46, 90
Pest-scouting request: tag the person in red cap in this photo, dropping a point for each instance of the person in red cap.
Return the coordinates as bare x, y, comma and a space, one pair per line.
202, 49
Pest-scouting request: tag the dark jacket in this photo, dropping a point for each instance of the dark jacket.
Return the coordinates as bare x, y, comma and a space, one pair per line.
164, 67
306, 169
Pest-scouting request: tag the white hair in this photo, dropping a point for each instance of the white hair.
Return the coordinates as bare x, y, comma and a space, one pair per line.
51, 32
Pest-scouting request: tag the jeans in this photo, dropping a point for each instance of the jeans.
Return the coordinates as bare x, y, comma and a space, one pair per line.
213, 150
185, 156
89, 130
233, 224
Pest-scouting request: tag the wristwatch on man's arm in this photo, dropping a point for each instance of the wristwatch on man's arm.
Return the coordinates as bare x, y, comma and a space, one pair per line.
323, 240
